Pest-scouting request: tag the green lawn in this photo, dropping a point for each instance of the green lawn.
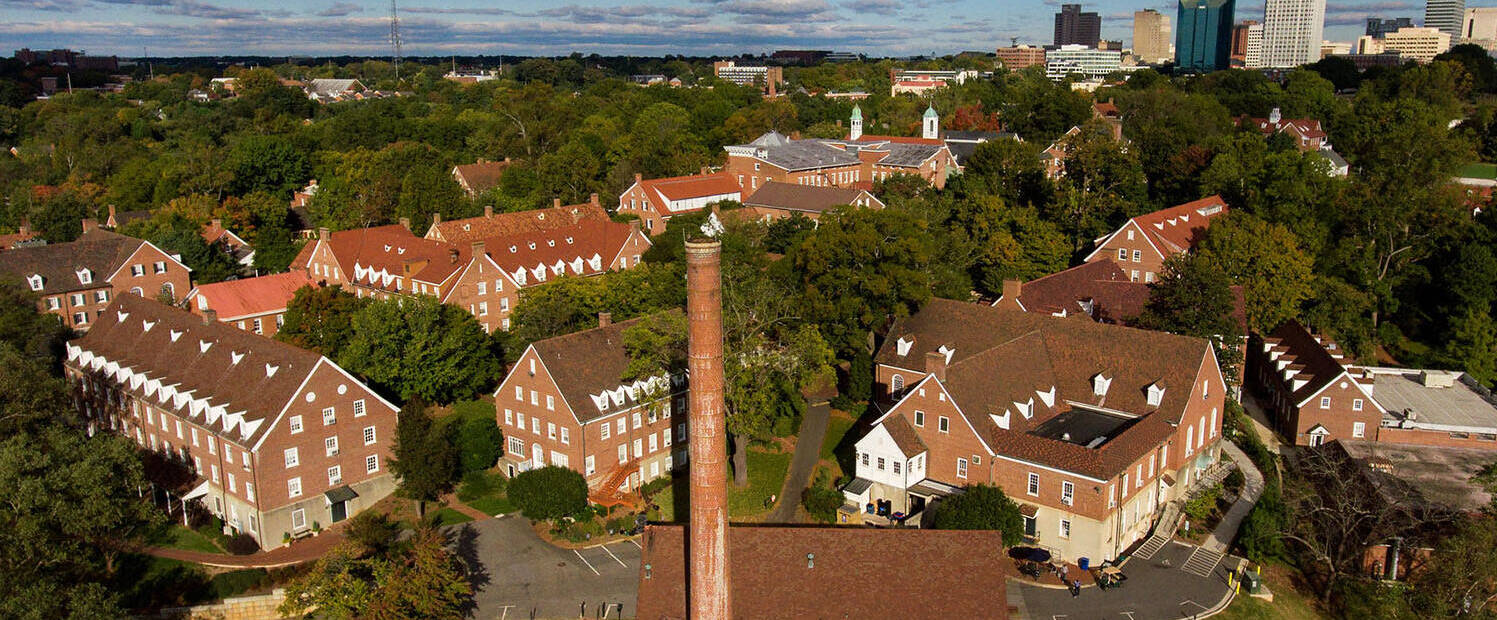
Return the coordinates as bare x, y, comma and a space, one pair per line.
836, 429
492, 505
179, 537
1479, 171
448, 516
766, 476
468, 409
1288, 604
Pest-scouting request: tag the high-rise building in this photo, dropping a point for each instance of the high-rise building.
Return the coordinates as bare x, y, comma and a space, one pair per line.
1292, 32
1091, 63
1240, 39
1417, 44
1151, 36
1480, 24
1020, 57
1203, 38
1072, 27
1252, 56
1377, 27
1445, 15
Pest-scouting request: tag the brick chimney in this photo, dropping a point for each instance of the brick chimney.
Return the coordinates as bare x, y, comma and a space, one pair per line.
605, 319
488, 210
436, 218
25, 228
633, 226
218, 223
592, 199
90, 224
478, 249
707, 541
323, 234
935, 364
556, 203
638, 177
405, 223
1013, 289
209, 316
112, 220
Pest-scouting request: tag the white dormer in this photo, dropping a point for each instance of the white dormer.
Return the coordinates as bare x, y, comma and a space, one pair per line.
1047, 397
270, 370
600, 400
174, 335
947, 351
1296, 384
234, 357
1001, 421
1155, 393
36, 280
387, 247
203, 346
902, 346
146, 326
121, 316
569, 241
1025, 408
532, 245
550, 243
400, 251
1100, 383
85, 276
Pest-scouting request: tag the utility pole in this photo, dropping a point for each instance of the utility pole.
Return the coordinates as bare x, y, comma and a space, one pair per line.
395, 35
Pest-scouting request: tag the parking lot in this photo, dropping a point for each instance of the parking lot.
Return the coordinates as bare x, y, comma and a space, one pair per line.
516, 575
1173, 584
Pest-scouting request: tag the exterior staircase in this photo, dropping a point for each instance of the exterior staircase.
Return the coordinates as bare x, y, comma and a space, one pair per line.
1164, 530
608, 492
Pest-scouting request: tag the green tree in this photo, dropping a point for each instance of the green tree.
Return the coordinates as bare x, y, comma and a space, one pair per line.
549, 493
480, 443
1193, 297
1267, 261
267, 163
423, 457
425, 582
320, 319
1473, 345
981, 507
418, 347
339, 585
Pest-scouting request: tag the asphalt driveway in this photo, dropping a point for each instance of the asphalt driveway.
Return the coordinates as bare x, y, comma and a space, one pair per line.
518, 576
1168, 586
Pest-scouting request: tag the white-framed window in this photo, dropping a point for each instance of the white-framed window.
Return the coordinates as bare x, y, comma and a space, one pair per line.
665, 437
566, 437
622, 427
179, 429
358, 408
1356, 404
329, 416
1065, 528
535, 425
299, 519
369, 435
865, 459
961, 468
1122, 254
330, 445
919, 418
232, 484
623, 453
483, 287
519, 393
212, 445
1138, 476
335, 475
1190, 441
137, 270
560, 460
483, 308
214, 471
54, 303
635, 419
1112, 496
1325, 402
550, 402
896, 466
259, 327
101, 296
520, 419
293, 487
943, 424
295, 424
880, 463
159, 266
896, 384
1138, 256
293, 457
551, 430
606, 430
589, 465
194, 436
516, 446
1067, 493
535, 397
509, 418
249, 491
371, 463
1359, 429
1034, 484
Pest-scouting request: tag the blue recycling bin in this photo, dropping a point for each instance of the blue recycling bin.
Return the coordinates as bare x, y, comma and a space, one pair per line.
1083, 563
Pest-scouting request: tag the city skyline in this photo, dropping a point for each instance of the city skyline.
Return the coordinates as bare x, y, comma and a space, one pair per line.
555, 27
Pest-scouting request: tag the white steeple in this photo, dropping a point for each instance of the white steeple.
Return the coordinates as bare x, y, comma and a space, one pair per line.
932, 124
857, 123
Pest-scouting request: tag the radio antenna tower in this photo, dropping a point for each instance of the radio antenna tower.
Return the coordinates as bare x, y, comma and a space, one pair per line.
395, 35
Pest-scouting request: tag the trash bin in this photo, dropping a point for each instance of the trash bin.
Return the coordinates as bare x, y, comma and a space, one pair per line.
1252, 581
1083, 563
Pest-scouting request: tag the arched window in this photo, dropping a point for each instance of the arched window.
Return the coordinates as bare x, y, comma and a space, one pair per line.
137, 291
897, 383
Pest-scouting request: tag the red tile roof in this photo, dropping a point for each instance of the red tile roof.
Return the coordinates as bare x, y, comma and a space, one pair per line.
1307, 127
468, 230
481, 176
1178, 228
233, 299
394, 250
807, 198
827, 572
692, 186
585, 248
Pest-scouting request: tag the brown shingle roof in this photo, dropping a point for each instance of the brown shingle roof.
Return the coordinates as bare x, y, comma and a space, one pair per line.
586, 363
853, 573
904, 436
585, 239
195, 356
1179, 228
468, 230
481, 176
1316, 365
691, 186
100, 251
1113, 297
807, 198
1003, 357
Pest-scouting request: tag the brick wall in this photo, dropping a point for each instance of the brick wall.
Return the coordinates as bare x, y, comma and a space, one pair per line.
1143, 262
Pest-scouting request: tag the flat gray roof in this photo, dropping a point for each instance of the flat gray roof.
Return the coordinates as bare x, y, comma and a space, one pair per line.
1459, 408
1438, 474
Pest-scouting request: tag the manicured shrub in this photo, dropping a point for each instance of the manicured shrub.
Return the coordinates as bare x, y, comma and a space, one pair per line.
549, 493
242, 544
479, 444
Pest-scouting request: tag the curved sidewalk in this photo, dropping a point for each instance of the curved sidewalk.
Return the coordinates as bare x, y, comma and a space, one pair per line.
1252, 489
295, 553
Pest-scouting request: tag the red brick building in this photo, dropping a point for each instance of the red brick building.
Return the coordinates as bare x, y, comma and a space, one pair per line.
655, 201
281, 439
256, 305
776, 200
1307, 133
564, 403
1099, 290
1142, 244
491, 225
78, 279
477, 178
1069, 417
856, 161
215, 235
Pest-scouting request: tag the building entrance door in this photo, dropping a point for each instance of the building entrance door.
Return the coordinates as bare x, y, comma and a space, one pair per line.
340, 511
537, 456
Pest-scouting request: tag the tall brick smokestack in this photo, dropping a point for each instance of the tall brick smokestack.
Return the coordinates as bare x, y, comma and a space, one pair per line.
708, 595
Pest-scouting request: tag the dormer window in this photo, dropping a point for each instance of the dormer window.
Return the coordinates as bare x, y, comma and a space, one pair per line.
85, 276
946, 351
902, 346
387, 248
1155, 393
550, 243
1100, 383
35, 281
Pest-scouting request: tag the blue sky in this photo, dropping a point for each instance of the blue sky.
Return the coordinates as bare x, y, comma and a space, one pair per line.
536, 27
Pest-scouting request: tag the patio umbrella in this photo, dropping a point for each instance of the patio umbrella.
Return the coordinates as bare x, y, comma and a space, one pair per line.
1037, 554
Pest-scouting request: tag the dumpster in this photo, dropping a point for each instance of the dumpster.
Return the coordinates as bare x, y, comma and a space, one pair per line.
1083, 563
1252, 582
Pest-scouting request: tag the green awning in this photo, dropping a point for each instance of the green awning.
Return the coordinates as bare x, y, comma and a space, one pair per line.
340, 494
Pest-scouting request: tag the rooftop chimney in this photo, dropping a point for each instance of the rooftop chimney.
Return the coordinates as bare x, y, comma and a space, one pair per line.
593, 199
478, 248
323, 234
935, 364
638, 177
112, 220
556, 203
633, 226
90, 224
1012, 289
488, 210
218, 223
405, 223
436, 218
707, 540
605, 319
209, 316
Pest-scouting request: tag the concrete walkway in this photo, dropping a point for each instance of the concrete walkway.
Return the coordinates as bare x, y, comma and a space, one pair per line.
1252, 488
1261, 424
807, 454
297, 552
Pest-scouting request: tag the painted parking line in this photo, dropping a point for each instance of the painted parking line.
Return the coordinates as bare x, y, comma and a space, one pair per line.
615, 558
633, 542
589, 564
